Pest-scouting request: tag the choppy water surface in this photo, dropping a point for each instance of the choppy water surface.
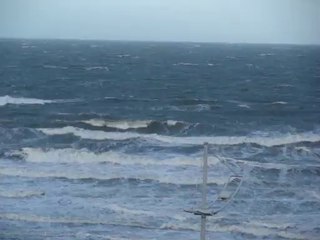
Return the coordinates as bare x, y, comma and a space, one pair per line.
102, 140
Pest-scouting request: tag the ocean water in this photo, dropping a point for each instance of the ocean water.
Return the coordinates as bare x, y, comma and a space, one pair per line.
104, 140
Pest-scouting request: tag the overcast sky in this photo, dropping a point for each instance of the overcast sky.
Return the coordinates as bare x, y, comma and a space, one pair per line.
258, 21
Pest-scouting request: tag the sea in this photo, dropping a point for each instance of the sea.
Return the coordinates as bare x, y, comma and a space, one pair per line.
105, 139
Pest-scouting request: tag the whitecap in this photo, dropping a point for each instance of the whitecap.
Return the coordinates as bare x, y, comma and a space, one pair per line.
244, 106
89, 134
188, 108
285, 85
271, 225
268, 141
105, 68
268, 165
202, 107
303, 148
54, 67
185, 64
279, 103
266, 54
4, 100
123, 55
172, 122
122, 124
84, 156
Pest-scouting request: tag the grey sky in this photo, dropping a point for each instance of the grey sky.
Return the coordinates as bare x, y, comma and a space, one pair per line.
262, 21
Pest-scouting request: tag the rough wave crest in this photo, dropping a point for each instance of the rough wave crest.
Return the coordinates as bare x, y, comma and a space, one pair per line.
268, 141
123, 125
84, 156
4, 100
129, 124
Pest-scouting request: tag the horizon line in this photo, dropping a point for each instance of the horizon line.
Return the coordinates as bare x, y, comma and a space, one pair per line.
157, 41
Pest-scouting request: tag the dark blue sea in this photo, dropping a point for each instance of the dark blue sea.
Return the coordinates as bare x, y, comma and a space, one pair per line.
104, 140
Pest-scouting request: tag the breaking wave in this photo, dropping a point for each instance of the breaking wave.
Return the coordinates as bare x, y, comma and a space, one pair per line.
267, 141
84, 156
127, 124
4, 100
123, 125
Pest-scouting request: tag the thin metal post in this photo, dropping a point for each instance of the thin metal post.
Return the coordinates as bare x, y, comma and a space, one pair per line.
204, 192
203, 227
205, 176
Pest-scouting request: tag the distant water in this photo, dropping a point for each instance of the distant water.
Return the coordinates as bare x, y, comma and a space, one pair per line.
103, 140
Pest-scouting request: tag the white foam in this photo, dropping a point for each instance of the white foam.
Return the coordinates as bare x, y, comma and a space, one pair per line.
89, 134
268, 165
123, 55
97, 68
95, 122
4, 100
184, 108
268, 141
244, 106
84, 156
285, 85
265, 165
314, 194
202, 107
172, 122
303, 148
266, 54
185, 64
279, 103
124, 124
239, 103
54, 67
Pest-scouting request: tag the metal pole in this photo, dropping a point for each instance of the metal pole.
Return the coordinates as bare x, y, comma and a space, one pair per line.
205, 176
203, 227
204, 191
